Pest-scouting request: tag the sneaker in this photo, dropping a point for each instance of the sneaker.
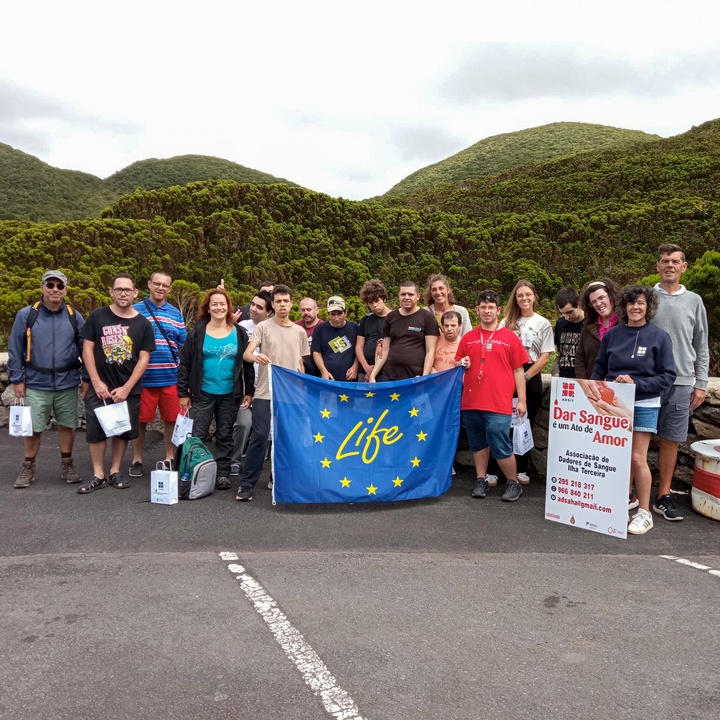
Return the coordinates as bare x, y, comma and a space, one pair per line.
234, 468
453, 471
244, 494
665, 506
481, 488
492, 480
270, 484
523, 479
135, 470
641, 522
223, 483
633, 501
68, 473
26, 476
513, 491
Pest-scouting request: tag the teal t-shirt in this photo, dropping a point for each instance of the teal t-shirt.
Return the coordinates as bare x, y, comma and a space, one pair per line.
219, 364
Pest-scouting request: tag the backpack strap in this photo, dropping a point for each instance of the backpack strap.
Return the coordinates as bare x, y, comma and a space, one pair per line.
162, 332
31, 319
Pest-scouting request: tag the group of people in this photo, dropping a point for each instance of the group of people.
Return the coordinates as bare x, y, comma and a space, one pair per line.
140, 352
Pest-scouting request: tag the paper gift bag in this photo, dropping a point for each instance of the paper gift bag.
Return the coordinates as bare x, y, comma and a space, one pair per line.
164, 484
114, 418
20, 419
522, 437
183, 429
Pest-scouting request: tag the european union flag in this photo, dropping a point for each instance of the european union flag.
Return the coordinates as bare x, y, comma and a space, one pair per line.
363, 442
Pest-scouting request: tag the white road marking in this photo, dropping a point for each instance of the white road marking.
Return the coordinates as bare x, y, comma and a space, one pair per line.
336, 701
690, 563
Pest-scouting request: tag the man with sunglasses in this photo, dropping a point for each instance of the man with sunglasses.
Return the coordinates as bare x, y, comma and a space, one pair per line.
44, 368
159, 383
117, 344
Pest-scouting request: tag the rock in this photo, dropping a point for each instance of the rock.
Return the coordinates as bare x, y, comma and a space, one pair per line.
705, 430
8, 396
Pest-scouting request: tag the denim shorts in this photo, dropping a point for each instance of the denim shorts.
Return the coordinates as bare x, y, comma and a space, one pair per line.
645, 419
674, 413
488, 429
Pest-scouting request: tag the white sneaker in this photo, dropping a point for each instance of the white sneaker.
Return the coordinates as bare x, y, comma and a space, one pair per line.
641, 522
523, 478
492, 480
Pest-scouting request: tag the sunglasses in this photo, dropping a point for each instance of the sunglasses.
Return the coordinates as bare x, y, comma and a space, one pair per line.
50, 285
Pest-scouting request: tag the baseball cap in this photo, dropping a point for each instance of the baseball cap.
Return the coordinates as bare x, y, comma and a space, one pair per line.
335, 303
55, 274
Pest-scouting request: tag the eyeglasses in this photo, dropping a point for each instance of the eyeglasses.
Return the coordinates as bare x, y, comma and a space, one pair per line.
163, 286
123, 291
597, 300
52, 285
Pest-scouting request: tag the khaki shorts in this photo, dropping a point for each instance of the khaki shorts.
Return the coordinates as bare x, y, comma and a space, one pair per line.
63, 404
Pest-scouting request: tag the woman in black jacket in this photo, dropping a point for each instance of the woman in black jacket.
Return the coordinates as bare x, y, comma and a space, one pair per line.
213, 378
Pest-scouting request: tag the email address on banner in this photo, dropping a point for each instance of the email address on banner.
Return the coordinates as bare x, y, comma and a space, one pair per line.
584, 505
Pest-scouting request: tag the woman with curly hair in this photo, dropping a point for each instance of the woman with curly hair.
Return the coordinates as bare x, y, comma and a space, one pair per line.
440, 298
636, 351
599, 301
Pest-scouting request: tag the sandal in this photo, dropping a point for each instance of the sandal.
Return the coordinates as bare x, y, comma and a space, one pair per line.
118, 481
93, 485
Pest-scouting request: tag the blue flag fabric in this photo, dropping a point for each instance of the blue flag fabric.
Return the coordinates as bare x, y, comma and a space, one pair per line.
363, 442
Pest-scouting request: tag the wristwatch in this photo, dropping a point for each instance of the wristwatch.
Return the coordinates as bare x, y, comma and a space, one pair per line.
527, 376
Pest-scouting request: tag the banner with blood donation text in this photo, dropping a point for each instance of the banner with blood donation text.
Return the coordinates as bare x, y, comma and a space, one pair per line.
589, 451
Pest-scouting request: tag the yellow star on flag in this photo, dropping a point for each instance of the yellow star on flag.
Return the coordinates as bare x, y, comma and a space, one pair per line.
370, 394
395, 396
415, 461
345, 482
343, 398
421, 435
326, 463
319, 437
325, 413
398, 481
414, 412
372, 490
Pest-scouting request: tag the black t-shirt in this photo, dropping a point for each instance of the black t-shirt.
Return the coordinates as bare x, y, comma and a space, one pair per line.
567, 335
407, 342
337, 347
371, 328
117, 345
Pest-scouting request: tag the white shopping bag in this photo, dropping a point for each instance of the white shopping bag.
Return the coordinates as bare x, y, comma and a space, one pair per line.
164, 484
522, 436
183, 428
114, 418
20, 419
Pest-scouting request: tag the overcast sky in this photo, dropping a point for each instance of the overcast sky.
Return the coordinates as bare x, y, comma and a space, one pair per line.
343, 97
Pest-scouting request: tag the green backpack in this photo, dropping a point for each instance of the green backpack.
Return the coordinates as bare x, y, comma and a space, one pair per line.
197, 469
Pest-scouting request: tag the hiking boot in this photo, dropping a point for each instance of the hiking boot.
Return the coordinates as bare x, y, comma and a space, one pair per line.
68, 473
481, 488
135, 470
665, 506
492, 480
26, 476
244, 494
235, 468
633, 501
641, 522
223, 483
513, 491
523, 479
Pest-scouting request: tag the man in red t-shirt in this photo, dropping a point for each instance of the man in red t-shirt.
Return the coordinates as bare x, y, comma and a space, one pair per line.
493, 358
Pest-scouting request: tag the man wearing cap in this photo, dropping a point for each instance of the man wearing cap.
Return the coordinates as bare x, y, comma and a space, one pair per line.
44, 367
333, 346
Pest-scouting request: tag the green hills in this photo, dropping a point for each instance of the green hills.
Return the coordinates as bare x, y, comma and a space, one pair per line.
30, 189
500, 153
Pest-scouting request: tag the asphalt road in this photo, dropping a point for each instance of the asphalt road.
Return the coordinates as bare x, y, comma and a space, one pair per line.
451, 608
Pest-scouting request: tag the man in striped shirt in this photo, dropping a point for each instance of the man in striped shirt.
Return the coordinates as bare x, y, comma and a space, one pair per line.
160, 379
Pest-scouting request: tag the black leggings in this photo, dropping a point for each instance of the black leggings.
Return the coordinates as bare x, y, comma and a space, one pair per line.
533, 394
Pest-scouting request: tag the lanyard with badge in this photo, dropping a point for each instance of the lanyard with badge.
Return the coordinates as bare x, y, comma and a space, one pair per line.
485, 347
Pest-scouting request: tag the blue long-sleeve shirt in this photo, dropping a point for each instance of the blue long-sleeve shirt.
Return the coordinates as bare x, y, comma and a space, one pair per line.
644, 353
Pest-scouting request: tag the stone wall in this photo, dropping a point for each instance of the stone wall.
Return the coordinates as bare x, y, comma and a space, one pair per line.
705, 423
